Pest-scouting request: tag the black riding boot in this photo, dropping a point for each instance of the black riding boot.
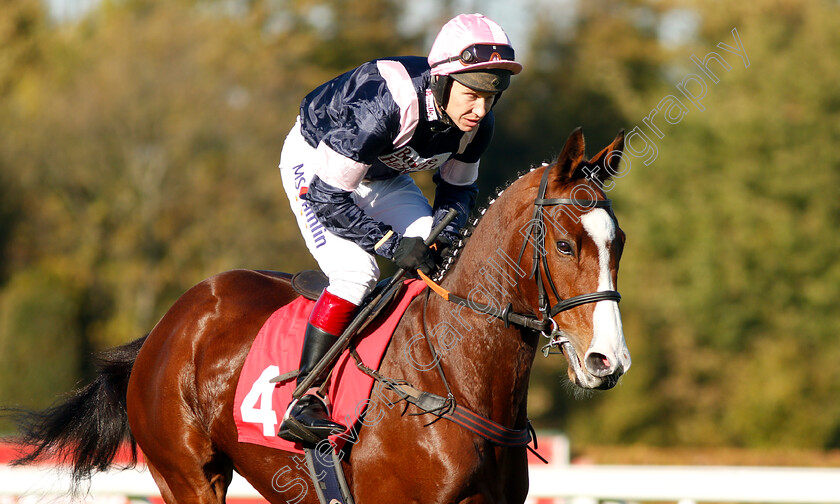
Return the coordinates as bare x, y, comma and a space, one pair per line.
308, 419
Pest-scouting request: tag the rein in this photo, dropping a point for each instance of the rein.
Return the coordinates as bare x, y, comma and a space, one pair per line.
447, 407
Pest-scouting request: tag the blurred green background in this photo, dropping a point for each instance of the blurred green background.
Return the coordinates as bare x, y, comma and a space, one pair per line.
139, 141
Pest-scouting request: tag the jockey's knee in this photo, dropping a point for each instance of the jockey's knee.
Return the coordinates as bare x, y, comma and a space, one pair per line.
353, 285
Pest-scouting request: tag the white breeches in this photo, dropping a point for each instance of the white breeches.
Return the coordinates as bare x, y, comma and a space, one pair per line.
397, 202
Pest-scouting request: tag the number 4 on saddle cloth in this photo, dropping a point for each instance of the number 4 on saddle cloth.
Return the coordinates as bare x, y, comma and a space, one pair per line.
259, 404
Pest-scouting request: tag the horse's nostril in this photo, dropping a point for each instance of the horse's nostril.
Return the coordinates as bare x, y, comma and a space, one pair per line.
598, 364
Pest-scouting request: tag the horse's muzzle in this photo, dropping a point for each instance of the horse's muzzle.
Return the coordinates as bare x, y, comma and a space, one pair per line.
596, 370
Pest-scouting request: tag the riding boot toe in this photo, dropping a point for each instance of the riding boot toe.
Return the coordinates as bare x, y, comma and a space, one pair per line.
309, 421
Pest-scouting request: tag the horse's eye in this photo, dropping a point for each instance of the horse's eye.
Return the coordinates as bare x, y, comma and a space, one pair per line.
565, 247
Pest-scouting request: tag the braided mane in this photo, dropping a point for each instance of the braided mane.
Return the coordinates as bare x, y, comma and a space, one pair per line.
464, 234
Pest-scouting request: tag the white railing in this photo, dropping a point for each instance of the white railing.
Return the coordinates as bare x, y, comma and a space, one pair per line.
50, 481
575, 484
687, 484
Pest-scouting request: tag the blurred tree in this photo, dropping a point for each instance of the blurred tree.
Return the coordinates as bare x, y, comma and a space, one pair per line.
139, 148
591, 73
730, 270
22, 31
40, 354
143, 153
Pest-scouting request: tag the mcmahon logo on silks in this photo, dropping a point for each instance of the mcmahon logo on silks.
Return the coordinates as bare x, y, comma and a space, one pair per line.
316, 229
408, 160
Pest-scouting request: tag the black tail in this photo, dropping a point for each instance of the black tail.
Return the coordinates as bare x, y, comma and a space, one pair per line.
86, 430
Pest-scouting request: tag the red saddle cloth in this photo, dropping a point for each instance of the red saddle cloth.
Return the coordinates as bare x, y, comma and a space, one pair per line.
259, 405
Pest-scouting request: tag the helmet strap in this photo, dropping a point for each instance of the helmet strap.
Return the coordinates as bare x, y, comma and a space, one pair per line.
496, 99
441, 86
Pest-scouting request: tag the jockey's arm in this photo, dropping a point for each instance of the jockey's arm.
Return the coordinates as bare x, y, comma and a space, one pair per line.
335, 209
456, 181
456, 188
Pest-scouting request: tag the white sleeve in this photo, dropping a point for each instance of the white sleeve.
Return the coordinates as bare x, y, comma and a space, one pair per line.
459, 173
338, 170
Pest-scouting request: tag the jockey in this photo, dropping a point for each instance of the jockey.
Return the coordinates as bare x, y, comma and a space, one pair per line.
345, 167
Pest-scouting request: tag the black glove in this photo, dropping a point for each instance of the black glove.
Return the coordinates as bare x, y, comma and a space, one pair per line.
440, 249
412, 254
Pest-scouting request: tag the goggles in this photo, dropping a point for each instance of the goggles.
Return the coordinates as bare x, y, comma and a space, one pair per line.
481, 53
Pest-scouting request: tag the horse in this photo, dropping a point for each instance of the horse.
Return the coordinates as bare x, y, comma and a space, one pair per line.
547, 249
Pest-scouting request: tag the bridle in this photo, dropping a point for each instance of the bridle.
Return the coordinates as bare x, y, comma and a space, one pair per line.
546, 325
537, 237
446, 407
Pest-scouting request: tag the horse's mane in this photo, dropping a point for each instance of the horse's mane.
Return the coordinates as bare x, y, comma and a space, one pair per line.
465, 232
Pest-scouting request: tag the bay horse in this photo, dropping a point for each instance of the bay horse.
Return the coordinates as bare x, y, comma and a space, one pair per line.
548, 246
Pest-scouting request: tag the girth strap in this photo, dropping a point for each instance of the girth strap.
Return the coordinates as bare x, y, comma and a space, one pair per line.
488, 429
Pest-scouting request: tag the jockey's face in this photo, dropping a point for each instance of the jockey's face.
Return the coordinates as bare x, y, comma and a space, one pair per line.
467, 107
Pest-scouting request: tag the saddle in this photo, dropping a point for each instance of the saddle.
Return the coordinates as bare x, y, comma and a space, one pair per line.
311, 283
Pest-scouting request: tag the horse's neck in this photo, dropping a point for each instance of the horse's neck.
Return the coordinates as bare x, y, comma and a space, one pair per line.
487, 364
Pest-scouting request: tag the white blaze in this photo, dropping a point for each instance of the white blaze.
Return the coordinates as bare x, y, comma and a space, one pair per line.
608, 335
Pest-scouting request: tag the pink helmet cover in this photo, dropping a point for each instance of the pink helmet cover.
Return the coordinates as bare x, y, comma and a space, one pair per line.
460, 33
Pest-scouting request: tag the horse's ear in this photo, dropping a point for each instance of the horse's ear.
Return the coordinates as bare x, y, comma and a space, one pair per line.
610, 157
572, 155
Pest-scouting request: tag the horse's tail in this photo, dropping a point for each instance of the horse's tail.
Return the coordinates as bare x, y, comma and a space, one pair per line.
86, 430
